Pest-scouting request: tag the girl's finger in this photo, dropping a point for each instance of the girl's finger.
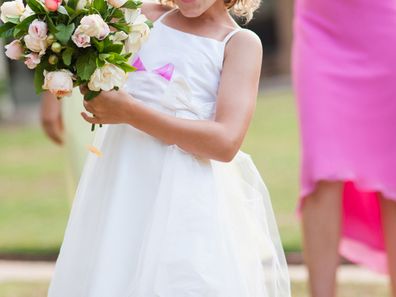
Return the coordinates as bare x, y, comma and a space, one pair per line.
89, 119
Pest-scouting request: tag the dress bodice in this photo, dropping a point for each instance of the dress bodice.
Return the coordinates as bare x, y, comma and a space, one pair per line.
179, 71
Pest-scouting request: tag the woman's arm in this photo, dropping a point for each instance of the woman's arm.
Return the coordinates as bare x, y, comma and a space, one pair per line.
51, 117
218, 139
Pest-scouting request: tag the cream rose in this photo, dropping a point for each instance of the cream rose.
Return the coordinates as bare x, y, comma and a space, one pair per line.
59, 83
11, 9
35, 44
107, 78
32, 60
118, 36
81, 39
94, 26
138, 34
14, 50
27, 13
116, 3
131, 14
38, 29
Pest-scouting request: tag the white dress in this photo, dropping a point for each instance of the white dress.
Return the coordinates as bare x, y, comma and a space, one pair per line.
151, 220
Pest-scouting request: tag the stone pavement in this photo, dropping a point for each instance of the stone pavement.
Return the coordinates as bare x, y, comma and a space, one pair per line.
41, 271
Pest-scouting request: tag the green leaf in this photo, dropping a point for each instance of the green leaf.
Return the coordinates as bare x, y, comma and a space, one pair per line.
76, 14
13, 20
149, 23
86, 65
100, 6
121, 27
70, 10
24, 25
114, 48
117, 14
5, 29
131, 4
127, 56
67, 56
72, 4
100, 63
22, 28
36, 6
64, 32
51, 25
39, 78
99, 45
126, 67
115, 58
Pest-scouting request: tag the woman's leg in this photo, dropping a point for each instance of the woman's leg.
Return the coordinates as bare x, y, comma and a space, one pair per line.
388, 208
321, 218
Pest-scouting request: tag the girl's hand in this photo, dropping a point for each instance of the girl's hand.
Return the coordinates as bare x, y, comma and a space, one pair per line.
109, 107
51, 117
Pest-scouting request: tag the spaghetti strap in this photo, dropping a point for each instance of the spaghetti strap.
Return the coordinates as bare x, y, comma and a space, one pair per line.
165, 14
232, 33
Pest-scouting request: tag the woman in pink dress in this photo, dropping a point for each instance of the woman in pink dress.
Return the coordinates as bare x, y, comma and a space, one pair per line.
345, 79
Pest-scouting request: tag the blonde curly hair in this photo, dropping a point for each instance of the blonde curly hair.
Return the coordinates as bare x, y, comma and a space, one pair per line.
239, 8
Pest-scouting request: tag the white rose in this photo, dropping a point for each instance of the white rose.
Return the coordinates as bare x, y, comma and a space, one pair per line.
35, 44
59, 83
107, 78
11, 9
27, 13
14, 50
116, 3
138, 34
38, 29
131, 14
94, 26
118, 36
32, 60
80, 38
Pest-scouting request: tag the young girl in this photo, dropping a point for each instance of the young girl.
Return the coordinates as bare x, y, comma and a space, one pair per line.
173, 208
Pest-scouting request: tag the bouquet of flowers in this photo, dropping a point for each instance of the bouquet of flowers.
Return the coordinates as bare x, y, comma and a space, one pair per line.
74, 42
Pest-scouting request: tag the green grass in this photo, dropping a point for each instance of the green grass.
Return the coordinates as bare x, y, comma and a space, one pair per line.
33, 194
273, 143
33, 203
14, 289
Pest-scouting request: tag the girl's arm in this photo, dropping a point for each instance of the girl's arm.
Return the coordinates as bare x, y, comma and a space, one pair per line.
218, 139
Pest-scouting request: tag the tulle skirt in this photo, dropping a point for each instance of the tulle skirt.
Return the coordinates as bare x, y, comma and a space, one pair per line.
151, 220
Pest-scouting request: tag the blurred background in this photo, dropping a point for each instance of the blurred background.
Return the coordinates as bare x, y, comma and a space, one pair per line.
34, 194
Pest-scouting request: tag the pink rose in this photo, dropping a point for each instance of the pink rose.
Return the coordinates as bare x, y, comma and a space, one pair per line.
81, 39
32, 60
52, 5
38, 29
14, 50
59, 83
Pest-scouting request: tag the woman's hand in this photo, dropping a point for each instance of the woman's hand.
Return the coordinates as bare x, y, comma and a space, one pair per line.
51, 117
109, 107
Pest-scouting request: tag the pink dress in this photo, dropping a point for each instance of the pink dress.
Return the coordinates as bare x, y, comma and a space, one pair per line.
344, 64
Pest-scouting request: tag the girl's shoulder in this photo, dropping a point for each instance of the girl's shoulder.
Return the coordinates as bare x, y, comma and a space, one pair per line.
243, 38
154, 10
243, 46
